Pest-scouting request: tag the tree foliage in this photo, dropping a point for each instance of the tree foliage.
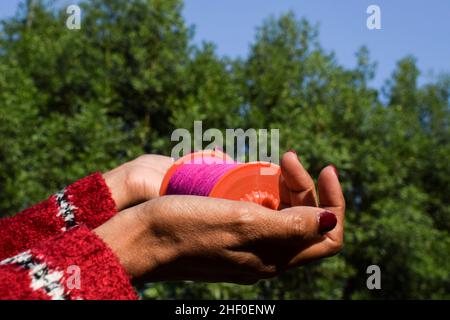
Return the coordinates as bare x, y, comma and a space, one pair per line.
74, 102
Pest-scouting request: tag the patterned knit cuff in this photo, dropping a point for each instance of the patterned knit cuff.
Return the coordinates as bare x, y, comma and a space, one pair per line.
71, 266
87, 201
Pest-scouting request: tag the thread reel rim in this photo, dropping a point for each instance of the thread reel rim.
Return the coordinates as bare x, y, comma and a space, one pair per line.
246, 182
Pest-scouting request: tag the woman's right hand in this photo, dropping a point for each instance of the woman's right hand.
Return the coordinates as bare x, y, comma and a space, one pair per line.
209, 239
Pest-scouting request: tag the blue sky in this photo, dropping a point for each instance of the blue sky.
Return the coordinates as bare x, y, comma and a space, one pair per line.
417, 27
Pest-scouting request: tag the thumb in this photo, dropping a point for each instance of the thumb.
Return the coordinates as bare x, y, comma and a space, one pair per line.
302, 223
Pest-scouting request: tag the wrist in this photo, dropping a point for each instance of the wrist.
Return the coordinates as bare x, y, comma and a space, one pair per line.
126, 238
118, 183
140, 249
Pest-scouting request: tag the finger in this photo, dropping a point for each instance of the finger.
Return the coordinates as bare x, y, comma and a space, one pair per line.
298, 181
285, 195
296, 225
317, 249
250, 221
332, 199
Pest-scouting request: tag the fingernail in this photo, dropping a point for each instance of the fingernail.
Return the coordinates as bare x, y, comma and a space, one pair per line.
335, 169
327, 221
293, 151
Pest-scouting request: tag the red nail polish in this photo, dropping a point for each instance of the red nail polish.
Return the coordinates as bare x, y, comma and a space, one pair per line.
335, 170
327, 221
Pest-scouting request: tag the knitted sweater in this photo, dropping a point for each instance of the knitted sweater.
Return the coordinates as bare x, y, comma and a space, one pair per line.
48, 251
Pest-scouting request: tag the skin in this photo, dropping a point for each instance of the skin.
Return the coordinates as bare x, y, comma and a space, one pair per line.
137, 181
208, 239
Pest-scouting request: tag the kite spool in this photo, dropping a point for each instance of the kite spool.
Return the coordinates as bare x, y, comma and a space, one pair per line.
211, 173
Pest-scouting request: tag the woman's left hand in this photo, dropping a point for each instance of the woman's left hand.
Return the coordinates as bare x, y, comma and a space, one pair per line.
137, 181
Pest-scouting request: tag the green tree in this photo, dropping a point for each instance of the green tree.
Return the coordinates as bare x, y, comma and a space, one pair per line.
74, 102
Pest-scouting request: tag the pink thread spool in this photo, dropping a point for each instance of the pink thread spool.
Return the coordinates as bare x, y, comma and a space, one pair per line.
212, 173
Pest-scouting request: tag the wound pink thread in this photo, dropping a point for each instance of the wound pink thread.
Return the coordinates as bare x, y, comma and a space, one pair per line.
197, 179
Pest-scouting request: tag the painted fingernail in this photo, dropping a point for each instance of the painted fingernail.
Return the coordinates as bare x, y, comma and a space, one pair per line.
336, 171
327, 221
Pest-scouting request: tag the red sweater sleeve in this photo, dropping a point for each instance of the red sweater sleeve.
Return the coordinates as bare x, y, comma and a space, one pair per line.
73, 265
87, 201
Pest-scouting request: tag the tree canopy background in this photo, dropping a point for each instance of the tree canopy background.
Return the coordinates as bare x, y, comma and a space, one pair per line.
77, 101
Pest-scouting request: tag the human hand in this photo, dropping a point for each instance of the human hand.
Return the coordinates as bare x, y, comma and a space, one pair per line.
209, 239
138, 180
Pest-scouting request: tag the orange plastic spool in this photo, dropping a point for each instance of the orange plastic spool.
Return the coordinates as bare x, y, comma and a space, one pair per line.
256, 182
